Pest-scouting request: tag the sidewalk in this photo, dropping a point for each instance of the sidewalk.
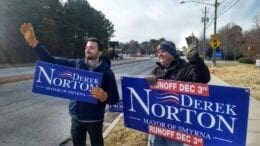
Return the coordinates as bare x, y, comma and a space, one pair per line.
253, 128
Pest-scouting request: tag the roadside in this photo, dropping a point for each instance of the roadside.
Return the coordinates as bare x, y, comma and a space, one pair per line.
122, 136
246, 76
240, 75
236, 74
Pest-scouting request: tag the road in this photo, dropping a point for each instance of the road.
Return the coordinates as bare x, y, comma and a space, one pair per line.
28, 119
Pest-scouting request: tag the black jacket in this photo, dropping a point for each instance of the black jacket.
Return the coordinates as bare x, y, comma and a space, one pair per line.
180, 70
82, 110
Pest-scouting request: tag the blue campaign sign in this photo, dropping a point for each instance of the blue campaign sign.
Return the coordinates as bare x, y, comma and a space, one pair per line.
218, 55
196, 114
65, 82
118, 107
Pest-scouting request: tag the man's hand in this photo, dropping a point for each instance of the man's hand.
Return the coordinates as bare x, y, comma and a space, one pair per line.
29, 35
151, 79
192, 52
99, 94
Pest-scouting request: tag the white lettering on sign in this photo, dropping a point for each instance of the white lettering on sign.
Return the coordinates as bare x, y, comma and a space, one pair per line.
77, 82
194, 111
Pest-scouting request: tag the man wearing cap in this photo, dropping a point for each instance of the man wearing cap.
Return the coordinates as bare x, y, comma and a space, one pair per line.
172, 67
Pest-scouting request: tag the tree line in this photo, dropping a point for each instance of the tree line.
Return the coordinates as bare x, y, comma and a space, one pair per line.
61, 27
235, 43
146, 47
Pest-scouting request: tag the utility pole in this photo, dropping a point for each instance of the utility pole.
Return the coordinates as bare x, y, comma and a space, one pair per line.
204, 20
215, 5
215, 31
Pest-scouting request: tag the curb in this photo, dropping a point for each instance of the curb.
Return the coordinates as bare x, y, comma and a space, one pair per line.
112, 125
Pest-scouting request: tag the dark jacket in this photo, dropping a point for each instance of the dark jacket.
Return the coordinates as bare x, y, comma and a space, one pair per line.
180, 70
82, 110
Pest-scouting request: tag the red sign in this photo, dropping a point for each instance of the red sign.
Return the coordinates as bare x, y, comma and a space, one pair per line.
176, 135
182, 87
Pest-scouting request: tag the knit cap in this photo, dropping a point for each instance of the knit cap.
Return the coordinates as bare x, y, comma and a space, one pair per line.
169, 47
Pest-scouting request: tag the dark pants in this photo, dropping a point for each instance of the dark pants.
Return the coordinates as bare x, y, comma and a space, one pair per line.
79, 132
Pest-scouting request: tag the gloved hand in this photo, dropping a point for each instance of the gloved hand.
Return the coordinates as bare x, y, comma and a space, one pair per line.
192, 52
99, 94
29, 35
151, 79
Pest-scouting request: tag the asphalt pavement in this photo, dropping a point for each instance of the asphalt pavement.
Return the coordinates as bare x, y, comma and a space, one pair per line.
15, 74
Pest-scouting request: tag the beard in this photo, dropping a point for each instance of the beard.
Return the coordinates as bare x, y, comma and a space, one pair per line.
91, 56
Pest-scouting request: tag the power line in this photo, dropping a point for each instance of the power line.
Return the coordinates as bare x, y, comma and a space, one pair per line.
223, 9
223, 4
227, 8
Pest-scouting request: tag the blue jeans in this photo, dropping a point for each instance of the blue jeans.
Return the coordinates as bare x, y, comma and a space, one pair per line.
79, 133
160, 141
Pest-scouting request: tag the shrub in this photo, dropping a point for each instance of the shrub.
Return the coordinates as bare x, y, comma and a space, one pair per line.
246, 60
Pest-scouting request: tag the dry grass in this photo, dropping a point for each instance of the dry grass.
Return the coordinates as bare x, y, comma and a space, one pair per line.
241, 75
122, 136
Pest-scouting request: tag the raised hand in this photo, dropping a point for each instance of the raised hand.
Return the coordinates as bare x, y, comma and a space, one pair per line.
29, 35
192, 52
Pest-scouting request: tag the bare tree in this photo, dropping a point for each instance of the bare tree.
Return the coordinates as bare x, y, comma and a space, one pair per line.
232, 41
252, 43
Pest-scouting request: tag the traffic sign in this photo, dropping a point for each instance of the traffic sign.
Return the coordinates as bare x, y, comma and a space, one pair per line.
215, 41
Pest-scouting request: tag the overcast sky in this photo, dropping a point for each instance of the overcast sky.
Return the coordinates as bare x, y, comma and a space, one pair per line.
143, 20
